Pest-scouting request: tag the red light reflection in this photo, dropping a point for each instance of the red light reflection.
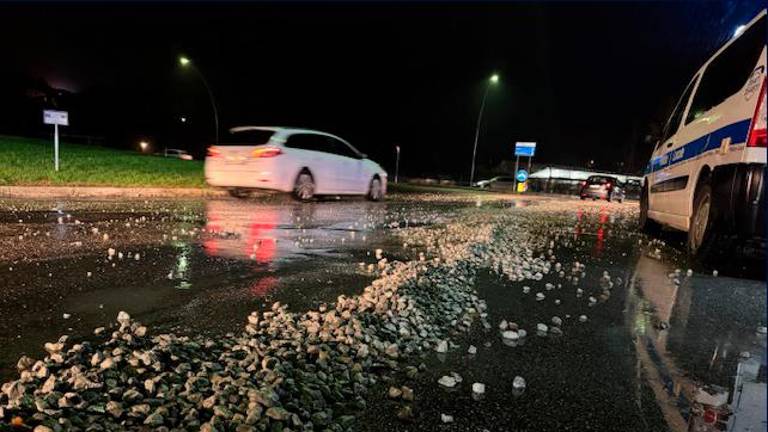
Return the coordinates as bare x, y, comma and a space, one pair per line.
600, 242
263, 286
241, 232
257, 243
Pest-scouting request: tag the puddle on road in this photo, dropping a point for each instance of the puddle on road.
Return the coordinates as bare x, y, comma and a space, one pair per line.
619, 371
697, 341
202, 267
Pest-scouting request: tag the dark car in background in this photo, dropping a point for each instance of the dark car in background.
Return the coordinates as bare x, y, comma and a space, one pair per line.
602, 187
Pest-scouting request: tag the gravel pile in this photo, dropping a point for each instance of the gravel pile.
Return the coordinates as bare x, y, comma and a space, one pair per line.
286, 371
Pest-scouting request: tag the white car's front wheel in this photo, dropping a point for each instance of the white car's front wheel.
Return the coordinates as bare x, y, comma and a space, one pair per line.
375, 190
304, 188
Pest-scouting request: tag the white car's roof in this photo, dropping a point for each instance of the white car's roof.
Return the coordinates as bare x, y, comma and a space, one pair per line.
282, 132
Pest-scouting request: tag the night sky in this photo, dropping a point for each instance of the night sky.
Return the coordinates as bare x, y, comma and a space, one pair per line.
584, 80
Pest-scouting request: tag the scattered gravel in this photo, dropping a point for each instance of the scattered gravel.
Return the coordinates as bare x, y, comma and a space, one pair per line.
288, 370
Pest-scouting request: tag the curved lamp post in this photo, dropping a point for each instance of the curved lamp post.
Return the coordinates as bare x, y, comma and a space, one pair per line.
492, 80
187, 63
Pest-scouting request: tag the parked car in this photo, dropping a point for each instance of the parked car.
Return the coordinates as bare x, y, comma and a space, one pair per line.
304, 162
500, 183
602, 187
706, 174
177, 153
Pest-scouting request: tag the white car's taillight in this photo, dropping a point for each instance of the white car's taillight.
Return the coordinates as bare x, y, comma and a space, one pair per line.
757, 132
265, 152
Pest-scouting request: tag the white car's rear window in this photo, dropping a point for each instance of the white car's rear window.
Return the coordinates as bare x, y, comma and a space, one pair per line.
247, 137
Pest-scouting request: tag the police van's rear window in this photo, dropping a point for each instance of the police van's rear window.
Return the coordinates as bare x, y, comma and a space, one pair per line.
729, 71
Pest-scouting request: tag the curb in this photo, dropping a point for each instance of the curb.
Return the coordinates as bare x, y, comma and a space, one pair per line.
106, 192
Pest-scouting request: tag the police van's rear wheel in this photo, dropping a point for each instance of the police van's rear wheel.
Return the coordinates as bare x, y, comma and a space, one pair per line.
700, 229
647, 224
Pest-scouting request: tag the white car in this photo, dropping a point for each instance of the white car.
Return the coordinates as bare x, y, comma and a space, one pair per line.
497, 183
706, 174
176, 153
302, 161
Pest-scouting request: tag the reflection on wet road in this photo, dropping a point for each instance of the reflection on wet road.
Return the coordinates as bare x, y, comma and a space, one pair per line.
697, 339
186, 266
660, 350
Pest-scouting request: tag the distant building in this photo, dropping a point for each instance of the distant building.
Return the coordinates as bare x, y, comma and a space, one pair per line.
568, 180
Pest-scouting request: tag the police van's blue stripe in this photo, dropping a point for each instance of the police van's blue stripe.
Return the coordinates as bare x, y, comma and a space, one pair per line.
737, 131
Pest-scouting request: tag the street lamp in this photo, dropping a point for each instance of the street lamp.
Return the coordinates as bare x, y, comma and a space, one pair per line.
187, 63
493, 80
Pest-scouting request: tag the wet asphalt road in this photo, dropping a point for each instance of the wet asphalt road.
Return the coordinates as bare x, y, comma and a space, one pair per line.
202, 266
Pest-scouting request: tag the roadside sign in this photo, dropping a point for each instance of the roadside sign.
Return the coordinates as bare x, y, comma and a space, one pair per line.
525, 148
522, 175
56, 117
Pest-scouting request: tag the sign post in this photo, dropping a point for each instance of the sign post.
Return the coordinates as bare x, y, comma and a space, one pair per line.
523, 149
397, 163
56, 118
521, 177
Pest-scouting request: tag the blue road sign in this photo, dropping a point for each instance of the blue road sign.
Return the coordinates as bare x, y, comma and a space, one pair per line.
522, 175
525, 149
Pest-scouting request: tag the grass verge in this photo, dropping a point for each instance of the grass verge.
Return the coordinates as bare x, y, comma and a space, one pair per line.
29, 162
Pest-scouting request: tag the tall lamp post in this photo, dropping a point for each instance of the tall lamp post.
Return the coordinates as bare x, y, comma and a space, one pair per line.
492, 80
397, 162
187, 63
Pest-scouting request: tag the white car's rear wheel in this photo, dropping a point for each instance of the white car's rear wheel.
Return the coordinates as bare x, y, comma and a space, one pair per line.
375, 190
304, 188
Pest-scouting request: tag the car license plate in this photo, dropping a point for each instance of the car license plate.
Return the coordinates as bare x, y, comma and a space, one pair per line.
235, 160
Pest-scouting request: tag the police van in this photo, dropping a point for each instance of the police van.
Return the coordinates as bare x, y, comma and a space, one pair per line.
706, 174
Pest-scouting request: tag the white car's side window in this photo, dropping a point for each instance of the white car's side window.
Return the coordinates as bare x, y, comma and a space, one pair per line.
310, 142
342, 149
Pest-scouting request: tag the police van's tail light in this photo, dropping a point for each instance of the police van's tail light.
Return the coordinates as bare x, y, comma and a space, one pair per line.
213, 152
757, 133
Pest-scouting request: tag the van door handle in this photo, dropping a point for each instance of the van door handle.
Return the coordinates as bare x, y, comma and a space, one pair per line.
669, 144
